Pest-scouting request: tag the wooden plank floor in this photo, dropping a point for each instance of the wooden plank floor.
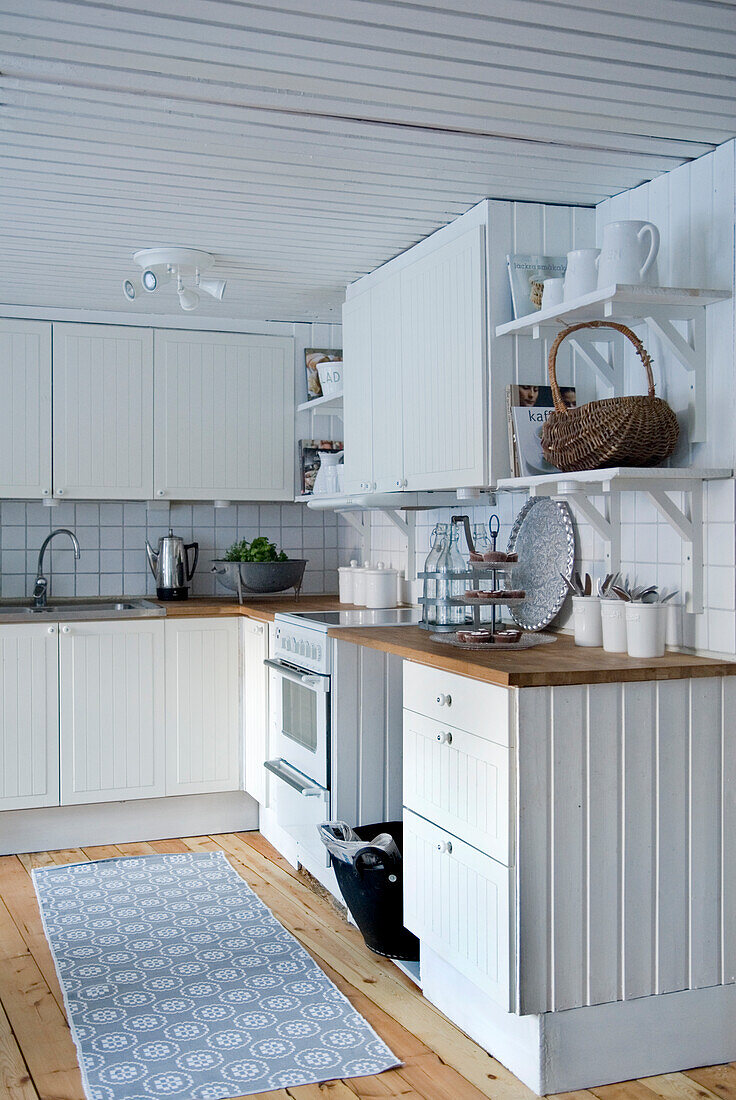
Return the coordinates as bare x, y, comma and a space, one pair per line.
37, 1056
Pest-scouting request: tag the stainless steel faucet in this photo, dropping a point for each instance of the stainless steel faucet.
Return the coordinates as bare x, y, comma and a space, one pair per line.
40, 588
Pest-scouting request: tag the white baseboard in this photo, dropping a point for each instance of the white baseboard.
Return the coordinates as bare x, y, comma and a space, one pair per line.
587, 1047
125, 822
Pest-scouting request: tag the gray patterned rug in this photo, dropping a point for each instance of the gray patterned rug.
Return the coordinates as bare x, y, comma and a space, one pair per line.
179, 982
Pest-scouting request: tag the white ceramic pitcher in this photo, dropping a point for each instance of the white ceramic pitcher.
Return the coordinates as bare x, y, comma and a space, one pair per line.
628, 252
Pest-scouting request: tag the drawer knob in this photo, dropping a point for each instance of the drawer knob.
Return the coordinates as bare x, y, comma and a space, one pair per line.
444, 737
445, 846
444, 700
52, 630
65, 629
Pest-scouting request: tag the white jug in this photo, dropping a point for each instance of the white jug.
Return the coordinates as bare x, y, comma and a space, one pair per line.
328, 478
628, 252
581, 276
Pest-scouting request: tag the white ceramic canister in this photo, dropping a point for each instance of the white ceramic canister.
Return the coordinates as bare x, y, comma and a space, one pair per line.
552, 293
581, 274
628, 253
381, 586
645, 629
586, 617
346, 582
330, 377
613, 626
359, 584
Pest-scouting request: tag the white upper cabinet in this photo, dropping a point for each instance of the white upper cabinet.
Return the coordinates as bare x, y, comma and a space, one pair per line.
112, 701
358, 418
415, 344
223, 416
103, 418
29, 716
443, 366
25, 409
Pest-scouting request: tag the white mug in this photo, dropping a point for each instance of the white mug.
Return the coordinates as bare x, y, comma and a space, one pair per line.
581, 275
552, 294
628, 253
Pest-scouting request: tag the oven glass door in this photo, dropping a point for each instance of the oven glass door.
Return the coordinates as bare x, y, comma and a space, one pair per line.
300, 720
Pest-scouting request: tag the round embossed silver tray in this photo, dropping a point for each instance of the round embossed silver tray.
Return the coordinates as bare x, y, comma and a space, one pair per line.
526, 641
544, 538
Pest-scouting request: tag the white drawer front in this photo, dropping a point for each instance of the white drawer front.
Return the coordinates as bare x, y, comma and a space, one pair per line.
459, 781
457, 901
468, 704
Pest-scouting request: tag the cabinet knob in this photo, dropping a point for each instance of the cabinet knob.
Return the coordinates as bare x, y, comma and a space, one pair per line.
444, 737
60, 492
52, 630
399, 483
445, 846
65, 629
47, 492
444, 700
159, 492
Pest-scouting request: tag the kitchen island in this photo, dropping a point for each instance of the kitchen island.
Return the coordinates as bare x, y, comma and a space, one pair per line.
570, 853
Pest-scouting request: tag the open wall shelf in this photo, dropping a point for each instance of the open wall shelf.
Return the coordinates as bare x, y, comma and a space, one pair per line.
331, 405
657, 482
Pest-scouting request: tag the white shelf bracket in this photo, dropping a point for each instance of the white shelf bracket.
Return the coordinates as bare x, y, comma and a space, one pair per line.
589, 352
691, 354
691, 532
358, 524
607, 527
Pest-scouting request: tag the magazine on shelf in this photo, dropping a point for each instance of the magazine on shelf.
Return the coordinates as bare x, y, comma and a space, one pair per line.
528, 407
526, 277
309, 460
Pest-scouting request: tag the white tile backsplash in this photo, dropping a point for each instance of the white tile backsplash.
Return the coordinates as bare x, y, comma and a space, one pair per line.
112, 540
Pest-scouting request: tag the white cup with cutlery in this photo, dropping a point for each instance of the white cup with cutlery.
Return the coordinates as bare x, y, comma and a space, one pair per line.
628, 253
581, 274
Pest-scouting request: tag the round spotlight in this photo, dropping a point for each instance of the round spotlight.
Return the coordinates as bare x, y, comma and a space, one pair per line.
129, 290
149, 280
214, 287
188, 299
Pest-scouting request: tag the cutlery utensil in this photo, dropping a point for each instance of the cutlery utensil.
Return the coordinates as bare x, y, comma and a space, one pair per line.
622, 593
571, 587
588, 585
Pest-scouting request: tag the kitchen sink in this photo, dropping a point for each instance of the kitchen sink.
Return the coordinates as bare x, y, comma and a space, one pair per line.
70, 609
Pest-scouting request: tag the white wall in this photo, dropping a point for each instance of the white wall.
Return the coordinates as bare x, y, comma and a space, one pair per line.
693, 207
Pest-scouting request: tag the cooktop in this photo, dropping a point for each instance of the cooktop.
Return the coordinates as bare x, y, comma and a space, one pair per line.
324, 620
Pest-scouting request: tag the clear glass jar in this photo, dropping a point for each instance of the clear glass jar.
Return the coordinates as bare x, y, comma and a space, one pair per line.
482, 543
437, 545
457, 565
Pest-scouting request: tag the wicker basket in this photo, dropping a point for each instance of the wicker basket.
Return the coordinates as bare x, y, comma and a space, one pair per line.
620, 431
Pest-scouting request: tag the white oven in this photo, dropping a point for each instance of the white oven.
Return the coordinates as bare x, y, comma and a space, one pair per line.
300, 720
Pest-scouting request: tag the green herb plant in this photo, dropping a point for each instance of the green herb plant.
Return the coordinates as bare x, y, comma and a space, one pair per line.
260, 549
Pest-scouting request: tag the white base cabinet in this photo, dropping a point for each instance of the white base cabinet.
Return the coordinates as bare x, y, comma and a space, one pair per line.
29, 716
254, 649
112, 711
202, 706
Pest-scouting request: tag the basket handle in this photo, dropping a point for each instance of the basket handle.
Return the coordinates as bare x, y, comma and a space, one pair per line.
641, 351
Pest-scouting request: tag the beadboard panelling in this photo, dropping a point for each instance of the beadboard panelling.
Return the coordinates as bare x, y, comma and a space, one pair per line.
103, 411
305, 147
625, 838
112, 711
29, 716
25, 408
224, 416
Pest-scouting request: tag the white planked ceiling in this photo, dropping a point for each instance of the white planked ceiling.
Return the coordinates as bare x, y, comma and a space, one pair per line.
305, 142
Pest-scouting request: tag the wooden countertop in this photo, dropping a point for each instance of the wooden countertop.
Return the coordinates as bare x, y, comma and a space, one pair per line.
555, 665
263, 609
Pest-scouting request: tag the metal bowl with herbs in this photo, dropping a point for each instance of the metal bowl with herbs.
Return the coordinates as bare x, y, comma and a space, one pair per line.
258, 567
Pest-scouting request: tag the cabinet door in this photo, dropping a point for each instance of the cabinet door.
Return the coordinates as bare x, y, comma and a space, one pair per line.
25, 409
356, 341
224, 416
386, 396
202, 706
112, 711
255, 707
103, 412
456, 900
29, 717
443, 352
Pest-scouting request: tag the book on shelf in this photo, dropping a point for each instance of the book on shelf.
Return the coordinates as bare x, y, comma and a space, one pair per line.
527, 408
526, 279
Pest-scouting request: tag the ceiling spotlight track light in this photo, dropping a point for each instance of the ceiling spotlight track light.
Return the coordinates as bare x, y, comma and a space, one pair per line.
160, 265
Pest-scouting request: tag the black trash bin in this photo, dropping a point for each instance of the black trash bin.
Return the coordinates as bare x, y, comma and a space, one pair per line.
372, 886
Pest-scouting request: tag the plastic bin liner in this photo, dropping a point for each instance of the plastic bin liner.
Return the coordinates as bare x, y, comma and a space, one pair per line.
342, 842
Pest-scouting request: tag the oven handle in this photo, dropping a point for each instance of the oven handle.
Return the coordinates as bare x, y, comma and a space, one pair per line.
317, 683
289, 775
